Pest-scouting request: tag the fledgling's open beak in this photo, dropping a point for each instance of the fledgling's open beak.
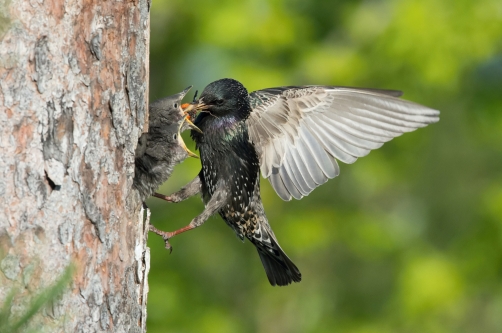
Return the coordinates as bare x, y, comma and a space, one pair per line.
187, 107
192, 125
189, 110
182, 143
184, 92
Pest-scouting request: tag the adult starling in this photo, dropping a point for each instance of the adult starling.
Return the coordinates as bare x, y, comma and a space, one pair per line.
162, 147
294, 135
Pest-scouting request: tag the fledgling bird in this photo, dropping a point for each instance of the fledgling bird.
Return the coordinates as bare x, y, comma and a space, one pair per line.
162, 147
294, 135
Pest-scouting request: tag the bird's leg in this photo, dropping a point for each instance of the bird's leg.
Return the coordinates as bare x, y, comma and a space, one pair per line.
216, 202
186, 192
162, 196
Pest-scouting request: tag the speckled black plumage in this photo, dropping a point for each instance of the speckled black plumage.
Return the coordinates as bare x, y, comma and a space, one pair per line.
230, 166
161, 148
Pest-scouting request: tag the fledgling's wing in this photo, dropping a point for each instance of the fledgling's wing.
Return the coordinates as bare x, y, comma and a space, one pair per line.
300, 132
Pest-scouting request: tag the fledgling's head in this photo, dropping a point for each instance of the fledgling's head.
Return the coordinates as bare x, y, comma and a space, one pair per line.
167, 110
167, 120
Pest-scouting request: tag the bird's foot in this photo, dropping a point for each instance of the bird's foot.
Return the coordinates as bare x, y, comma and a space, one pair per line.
163, 197
165, 236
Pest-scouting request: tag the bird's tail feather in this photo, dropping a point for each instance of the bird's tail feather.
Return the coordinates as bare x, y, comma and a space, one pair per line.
279, 268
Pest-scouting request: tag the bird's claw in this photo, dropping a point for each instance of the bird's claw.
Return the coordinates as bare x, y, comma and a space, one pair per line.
167, 244
164, 235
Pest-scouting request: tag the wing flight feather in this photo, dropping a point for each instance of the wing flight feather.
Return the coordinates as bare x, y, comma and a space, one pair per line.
300, 132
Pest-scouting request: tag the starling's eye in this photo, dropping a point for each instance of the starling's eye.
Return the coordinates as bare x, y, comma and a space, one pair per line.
175, 136
219, 102
175, 105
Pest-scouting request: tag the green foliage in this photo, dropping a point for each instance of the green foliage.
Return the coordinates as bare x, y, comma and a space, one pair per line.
10, 323
407, 239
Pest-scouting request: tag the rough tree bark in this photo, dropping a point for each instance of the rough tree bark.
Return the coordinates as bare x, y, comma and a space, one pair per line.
73, 102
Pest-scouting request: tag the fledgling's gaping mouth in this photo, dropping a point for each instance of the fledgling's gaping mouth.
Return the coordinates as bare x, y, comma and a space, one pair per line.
180, 139
190, 109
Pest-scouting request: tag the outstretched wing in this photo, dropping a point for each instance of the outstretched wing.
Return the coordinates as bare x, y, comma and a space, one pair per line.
300, 132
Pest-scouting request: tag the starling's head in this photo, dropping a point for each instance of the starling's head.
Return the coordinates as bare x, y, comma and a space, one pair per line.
225, 96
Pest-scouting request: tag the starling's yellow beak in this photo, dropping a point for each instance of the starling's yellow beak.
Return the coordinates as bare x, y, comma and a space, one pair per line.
182, 143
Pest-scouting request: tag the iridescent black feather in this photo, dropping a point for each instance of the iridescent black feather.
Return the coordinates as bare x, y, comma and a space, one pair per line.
231, 166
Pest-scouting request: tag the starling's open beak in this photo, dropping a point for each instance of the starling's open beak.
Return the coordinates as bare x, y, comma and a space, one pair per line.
200, 105
182, 143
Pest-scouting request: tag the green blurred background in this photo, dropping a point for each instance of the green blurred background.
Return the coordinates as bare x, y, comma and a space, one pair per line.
407, 239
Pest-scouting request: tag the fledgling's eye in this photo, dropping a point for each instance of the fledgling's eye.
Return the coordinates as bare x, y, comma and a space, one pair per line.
175, 105
175, 136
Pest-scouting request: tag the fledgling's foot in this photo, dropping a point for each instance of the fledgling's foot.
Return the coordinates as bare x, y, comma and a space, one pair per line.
163, 197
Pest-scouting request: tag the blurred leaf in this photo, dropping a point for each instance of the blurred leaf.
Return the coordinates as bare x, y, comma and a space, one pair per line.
9, 324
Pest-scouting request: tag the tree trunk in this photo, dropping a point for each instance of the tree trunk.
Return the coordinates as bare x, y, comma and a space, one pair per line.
73, 102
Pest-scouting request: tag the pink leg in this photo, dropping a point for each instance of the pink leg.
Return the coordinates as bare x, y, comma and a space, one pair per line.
166, 235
